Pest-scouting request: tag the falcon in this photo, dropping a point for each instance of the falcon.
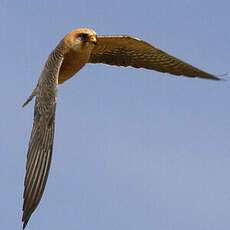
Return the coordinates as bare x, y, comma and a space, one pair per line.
77, 48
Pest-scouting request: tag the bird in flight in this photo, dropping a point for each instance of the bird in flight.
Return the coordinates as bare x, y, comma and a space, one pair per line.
77, 48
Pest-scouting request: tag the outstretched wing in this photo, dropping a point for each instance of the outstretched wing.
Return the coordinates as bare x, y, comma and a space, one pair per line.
41, 140
130, 51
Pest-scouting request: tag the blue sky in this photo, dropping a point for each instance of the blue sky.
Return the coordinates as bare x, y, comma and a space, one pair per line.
134, 149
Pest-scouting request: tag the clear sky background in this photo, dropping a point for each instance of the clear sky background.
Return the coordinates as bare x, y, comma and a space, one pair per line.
134, 149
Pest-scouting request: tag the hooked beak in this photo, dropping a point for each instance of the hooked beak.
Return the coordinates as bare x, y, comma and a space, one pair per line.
93, 39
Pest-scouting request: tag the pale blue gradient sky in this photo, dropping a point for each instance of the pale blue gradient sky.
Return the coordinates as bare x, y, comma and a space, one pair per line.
134, 149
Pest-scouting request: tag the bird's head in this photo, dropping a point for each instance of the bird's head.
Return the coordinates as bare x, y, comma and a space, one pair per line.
81, 38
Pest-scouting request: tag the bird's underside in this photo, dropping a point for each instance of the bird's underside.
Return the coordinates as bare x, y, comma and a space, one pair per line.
78, 48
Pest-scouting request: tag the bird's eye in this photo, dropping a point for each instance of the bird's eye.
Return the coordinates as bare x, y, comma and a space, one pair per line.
83, 37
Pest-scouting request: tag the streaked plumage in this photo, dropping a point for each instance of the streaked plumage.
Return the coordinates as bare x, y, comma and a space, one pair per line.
130, 51
41, 141
78, 48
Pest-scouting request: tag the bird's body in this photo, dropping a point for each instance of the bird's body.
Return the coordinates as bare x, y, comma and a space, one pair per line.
76, 49
72, 63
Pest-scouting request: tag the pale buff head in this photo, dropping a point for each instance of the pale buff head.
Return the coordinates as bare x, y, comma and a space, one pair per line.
81, 38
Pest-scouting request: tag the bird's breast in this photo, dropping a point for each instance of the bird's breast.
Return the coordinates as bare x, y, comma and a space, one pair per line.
72, 63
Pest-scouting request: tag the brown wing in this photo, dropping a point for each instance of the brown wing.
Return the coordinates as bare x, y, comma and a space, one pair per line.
41, 140
130, 51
